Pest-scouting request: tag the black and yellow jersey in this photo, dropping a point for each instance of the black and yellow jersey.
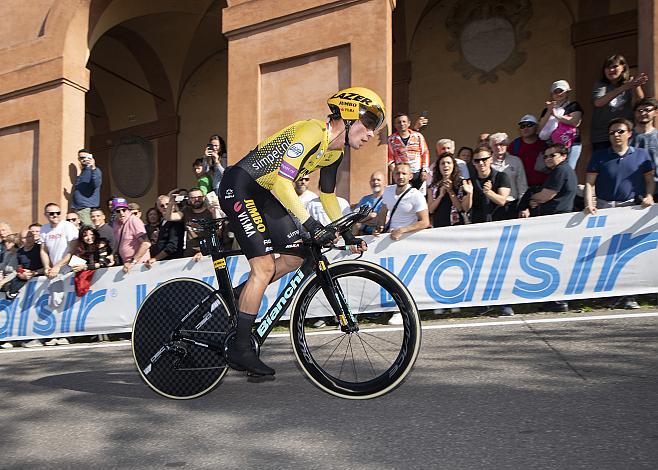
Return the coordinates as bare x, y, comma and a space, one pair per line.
296, 151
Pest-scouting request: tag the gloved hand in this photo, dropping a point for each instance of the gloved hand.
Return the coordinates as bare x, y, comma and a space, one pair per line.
350, 239
320, 234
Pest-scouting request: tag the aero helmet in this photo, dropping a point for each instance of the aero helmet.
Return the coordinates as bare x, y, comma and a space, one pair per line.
358, 103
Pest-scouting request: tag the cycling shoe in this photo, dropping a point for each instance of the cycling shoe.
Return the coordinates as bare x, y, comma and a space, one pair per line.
246, 359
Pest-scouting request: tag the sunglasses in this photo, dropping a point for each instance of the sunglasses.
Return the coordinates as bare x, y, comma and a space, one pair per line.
645, 110
121, 210
53, 213
618, 132
552, 155
71, 220
525, 125
480, 160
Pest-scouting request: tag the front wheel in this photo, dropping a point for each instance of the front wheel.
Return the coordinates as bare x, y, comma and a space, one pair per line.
371, 361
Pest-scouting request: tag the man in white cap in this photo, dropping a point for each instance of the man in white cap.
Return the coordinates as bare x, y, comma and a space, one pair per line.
527, 147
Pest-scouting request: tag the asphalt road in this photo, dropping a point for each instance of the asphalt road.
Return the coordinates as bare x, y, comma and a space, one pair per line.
519, 395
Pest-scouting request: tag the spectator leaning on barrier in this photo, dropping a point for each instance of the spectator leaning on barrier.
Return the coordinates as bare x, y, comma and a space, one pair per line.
58, 242
132, 244
408, 146
373, 200
404, 206
449, 195
490, 188
529, 147
96, 253
555, 197
558, 192
645, 135
171, 238
104, 229
29, 262
620, 176
87, 188
406, 210
503, 162
613, 97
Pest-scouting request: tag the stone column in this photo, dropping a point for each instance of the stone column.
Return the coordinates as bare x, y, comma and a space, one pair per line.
286, 59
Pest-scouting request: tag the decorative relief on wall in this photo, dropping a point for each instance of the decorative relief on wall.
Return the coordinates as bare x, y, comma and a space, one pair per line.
133, 166
487, 35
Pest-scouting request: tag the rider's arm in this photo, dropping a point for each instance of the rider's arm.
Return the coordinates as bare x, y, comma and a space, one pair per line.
328, 188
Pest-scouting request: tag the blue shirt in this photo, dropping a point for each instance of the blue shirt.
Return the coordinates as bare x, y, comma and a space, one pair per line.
620, 178
647, 141
371, 201
87, 189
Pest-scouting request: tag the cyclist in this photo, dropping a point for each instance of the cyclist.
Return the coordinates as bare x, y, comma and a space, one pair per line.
258, 191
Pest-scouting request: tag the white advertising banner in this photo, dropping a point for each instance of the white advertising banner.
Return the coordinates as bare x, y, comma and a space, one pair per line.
568, 256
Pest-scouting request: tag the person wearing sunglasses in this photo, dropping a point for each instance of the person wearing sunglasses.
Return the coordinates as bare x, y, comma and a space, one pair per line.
258, 192
58, 241
645, 135
620, 175
132, 243
557, 193
527, 147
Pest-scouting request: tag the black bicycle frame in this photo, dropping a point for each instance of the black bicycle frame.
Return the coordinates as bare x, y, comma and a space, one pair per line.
317, 263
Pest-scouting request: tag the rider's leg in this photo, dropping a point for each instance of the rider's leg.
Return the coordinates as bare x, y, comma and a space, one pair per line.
241, 352
283, 265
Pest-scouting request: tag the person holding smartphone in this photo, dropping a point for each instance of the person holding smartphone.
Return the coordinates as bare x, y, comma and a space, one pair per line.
86, 193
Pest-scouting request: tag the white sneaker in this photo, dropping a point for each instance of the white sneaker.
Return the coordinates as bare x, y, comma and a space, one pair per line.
62, 341
396, 319
319, 324
35, 343
455, 310
51, 342
6, 345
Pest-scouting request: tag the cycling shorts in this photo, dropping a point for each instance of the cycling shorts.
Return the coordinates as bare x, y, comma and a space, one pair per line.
259, 221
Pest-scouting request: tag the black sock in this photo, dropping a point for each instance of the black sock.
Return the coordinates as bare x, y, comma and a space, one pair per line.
243, 335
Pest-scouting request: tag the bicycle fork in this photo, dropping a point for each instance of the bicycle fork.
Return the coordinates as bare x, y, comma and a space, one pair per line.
336, 298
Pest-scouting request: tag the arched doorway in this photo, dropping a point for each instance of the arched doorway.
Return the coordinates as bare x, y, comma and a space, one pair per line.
158, 87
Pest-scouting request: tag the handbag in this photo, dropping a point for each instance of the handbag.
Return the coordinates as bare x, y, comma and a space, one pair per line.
564, 134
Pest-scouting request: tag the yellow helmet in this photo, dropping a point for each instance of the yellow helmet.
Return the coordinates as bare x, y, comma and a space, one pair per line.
359, 103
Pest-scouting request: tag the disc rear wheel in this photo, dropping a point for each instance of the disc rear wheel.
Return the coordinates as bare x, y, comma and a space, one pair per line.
175, 368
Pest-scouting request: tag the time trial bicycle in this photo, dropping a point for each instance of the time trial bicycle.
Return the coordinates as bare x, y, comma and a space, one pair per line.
182, 329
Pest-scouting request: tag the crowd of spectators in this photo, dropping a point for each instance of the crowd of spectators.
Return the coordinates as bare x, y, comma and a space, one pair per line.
499, 178
89, 237
532, 174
